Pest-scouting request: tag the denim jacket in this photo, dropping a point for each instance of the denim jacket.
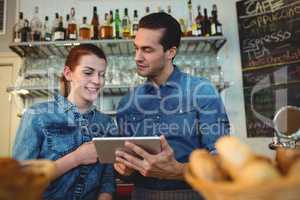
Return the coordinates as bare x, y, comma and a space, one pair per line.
186, 109
53, 129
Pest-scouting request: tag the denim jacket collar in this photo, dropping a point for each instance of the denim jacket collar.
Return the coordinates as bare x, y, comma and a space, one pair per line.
66, 106
171, 81
63, 103
174, 77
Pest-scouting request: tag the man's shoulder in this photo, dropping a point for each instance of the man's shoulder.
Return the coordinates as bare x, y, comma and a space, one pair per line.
197, 83
194, 78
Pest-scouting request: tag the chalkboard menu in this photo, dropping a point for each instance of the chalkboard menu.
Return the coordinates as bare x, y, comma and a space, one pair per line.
269, 33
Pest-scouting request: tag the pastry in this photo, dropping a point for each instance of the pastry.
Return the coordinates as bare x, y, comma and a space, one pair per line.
285, 157
205, 167
257, 171
234, 154
294, 170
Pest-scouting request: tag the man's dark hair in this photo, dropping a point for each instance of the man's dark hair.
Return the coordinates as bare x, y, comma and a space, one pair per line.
171, 28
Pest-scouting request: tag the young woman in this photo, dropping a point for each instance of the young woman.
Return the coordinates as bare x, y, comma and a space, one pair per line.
62, 130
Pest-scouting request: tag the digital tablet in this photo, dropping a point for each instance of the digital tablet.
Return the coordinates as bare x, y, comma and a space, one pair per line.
107, 146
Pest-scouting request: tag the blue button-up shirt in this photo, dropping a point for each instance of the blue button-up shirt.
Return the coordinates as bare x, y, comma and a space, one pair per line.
53, 129
186, 109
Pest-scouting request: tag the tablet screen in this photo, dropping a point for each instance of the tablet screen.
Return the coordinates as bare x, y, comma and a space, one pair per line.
107, 146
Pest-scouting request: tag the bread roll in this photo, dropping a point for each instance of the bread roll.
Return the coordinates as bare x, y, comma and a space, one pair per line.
8, 165
234, 154
263, 158
24, 181
294, 170
257, 171
204, 166
40, 167
285, 157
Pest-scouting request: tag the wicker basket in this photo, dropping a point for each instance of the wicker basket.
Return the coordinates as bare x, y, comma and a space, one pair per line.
281, 189
26, 180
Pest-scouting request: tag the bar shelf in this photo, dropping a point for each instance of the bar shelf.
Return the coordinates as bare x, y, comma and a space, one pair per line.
189, 45
45, 91
110, 90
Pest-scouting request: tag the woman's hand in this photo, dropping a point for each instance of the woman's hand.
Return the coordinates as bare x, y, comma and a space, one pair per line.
86, 154
83, 155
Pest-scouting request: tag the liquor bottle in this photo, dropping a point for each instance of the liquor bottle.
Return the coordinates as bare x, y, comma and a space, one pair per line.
191, 25
126, 24
147, 10
72, 26
183, 26
199, 19
106, 31
112, 22
206, 25
111, 17
84, 30
106, 19
95, 25
26, 32
216, 26
55, 23
66, 24
159, 9
169, 11
60, 31
46, 31
109, 27
135, 24
36, 25
17, 28
117, 30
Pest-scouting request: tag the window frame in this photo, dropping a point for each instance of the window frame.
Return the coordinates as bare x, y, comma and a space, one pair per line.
3, 30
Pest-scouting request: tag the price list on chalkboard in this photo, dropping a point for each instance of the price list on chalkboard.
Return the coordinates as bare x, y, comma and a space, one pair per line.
269, 34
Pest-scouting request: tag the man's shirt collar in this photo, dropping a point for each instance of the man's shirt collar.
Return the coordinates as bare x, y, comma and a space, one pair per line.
172, 81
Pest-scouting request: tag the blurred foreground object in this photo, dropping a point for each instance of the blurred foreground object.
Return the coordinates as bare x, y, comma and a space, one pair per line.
246, 175
24, 180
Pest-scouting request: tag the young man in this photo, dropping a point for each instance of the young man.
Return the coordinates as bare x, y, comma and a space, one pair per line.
185, 111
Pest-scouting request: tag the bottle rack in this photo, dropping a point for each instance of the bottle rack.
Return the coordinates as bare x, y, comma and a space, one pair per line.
45, 91
189, 45
49, 51
110, 90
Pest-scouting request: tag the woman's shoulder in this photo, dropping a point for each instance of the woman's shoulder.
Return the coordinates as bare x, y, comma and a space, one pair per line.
106, 124
102, 116
41, 108
42, 111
